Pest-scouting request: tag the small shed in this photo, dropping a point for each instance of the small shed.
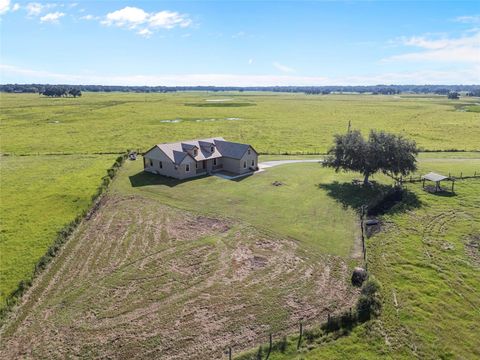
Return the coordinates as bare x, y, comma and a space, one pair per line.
436, 178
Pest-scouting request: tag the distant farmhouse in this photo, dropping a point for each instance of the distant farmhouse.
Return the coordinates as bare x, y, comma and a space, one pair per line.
186, 159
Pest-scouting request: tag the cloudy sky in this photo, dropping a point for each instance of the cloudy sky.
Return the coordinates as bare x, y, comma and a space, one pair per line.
240, 43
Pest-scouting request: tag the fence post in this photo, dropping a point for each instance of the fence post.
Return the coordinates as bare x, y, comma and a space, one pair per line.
269, 348
461, 175
300, 337
229, 353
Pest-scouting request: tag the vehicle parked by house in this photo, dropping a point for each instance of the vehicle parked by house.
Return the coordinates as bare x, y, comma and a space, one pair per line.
192, 158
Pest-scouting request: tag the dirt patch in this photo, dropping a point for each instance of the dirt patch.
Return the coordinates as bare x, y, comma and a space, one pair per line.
472, 248
143, 280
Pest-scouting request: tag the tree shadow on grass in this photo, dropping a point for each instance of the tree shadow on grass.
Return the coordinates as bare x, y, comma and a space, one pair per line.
379, 198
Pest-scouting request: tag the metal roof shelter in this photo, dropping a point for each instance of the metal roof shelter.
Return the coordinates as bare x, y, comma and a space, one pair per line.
436, 178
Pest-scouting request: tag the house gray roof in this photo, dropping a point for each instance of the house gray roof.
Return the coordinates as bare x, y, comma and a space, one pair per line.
221, 148
231, 149
434, 177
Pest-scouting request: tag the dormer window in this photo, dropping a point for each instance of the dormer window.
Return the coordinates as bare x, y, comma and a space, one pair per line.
212, 148
249, 151
195, 152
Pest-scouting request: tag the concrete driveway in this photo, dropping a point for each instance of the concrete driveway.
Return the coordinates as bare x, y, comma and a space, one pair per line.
267, 164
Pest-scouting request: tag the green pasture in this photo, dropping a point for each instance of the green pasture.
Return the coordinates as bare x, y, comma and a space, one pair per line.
39, 195
427, 260
420, 256
272, 123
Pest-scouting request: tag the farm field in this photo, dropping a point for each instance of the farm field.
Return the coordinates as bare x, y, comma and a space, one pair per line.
213, 267
271, 122
307, 227
208, 278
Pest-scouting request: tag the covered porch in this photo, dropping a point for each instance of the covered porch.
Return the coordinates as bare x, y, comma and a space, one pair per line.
208, 166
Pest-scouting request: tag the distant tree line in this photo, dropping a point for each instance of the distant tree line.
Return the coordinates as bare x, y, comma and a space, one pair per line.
468, 90
60, 91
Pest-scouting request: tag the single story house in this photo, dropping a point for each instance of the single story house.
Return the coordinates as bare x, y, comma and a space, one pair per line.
186, 159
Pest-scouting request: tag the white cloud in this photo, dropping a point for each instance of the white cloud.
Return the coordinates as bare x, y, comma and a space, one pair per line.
133, 17
9, 74
250, 61
465, 49
4, 6
89, 17
145, 33
34, 9
128, 16
168, 20
52, 17
470, 19
283, 68
16, 7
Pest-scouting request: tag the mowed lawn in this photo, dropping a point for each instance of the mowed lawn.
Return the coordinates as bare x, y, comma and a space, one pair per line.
299, 208
39, 195
272, 123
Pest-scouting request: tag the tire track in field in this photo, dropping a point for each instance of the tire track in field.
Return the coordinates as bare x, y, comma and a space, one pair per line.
140, 279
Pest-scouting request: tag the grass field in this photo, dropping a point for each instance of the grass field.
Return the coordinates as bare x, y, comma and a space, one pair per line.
39, 195
104, 122
311, 216
427, 260
144, 279
299, 208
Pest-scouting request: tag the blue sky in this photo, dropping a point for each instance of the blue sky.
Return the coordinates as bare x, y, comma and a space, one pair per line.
240, 42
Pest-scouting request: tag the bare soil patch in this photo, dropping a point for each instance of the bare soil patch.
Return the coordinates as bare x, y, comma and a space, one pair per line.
472, 248
143, 280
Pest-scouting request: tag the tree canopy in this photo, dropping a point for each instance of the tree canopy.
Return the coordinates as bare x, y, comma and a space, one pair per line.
390, 154
453, 95
472, 90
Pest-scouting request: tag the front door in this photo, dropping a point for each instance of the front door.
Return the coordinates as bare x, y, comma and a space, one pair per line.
204, 164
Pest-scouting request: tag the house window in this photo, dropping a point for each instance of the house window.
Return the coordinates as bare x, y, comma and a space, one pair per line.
187, 167
249, 151
161, 165
244, 164
151, 162
214, 161
212, 149
195, 152
196, 165
253, 162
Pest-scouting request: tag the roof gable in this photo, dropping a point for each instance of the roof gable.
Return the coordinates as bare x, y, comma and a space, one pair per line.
176, 152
